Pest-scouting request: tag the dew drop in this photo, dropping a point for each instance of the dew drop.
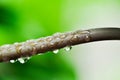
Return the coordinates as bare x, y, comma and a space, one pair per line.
55, 51
21, 60
12, 61
40, 54
28, 58
68, 48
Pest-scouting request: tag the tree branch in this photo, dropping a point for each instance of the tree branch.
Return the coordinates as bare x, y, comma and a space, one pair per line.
56, 41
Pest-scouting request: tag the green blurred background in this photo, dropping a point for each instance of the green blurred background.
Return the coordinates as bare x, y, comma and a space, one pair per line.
21, 20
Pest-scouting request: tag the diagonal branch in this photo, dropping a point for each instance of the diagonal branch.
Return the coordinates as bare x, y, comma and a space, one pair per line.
56, 41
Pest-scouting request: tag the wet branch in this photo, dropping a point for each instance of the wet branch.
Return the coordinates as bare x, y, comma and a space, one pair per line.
56, 41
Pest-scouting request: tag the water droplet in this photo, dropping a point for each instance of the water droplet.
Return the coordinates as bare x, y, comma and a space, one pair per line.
21, 60
68, 48
12, 61
55, 51
40, 54
28, 58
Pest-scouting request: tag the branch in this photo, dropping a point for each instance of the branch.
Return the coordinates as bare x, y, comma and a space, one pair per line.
56, 41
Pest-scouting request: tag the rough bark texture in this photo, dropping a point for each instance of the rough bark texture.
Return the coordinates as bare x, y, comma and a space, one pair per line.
56, 41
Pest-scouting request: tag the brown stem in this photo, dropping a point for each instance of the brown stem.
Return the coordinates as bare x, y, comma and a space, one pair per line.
56, 41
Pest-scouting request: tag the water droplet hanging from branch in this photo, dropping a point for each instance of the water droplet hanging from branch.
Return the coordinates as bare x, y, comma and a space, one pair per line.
18, 51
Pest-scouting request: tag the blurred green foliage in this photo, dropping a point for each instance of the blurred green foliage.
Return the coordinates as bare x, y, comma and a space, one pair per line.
26, 19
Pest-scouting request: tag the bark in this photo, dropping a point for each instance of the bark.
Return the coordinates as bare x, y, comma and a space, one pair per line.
56, 41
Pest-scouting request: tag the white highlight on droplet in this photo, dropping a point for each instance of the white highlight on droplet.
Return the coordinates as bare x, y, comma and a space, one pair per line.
40, 54
21, 60
68, 48
12, 61
28, 58
55, 51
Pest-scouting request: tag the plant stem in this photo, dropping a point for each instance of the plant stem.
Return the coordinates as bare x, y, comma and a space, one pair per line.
56, 41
